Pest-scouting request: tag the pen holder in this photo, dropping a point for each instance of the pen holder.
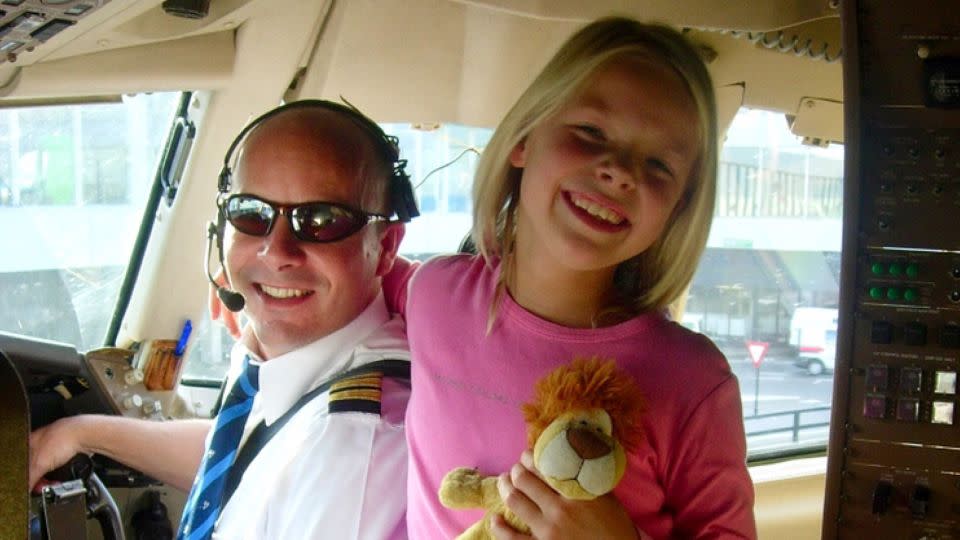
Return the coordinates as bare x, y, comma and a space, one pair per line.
160, 364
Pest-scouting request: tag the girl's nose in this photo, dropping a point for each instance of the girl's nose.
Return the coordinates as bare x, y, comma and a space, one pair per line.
616, 168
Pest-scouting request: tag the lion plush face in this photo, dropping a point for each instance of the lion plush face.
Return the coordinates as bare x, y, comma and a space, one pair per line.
579, 423
578, 456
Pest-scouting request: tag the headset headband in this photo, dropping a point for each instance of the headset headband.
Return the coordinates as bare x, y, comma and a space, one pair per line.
403, 202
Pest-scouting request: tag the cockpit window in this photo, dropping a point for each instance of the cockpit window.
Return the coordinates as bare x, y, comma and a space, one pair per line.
74, 180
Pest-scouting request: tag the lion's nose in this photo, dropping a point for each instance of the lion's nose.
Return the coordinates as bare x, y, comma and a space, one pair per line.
587, 443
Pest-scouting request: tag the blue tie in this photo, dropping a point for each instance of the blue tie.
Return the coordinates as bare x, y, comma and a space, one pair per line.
203, 504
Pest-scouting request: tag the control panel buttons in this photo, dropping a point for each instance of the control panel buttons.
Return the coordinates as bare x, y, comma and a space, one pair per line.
911, 379
910, 294
877, 378
912, 270
881, 332
894, 294
950, 336
882, 494
919, 501
875, 407
876, 293
896, 269
942, 413
915, 333
908, 410
945, 382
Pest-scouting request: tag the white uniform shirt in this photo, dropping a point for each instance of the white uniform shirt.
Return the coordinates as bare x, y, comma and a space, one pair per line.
340, 476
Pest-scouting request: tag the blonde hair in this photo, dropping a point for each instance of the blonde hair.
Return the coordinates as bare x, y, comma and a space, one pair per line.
658, 276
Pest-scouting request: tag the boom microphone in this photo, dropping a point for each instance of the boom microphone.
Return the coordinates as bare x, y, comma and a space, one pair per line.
231, 299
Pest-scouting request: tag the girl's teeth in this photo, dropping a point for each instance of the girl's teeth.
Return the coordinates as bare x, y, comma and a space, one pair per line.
598, 211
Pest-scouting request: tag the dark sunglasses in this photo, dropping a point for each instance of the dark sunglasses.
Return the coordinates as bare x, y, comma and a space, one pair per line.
311, 222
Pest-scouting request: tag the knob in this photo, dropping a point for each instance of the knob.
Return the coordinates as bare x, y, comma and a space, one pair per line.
152, 406
133, 402
133, 376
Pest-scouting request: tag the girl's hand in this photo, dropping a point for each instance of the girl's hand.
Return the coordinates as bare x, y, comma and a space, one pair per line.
552, 516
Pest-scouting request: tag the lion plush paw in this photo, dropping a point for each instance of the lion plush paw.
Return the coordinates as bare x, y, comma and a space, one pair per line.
462, 488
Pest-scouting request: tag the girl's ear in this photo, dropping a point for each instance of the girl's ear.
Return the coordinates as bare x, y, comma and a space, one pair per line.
518, 156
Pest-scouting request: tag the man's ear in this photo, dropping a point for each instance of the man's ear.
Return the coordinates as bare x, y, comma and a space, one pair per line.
390, 240
518, 156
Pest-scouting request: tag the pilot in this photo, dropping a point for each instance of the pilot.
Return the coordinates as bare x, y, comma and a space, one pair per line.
310, 219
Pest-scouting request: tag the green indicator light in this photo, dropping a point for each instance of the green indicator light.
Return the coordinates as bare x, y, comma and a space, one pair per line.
876, 293
910, 295
893, 293
913, 270
877, 268
896, 269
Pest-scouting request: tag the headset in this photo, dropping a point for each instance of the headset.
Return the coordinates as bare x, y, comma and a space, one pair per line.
403, 202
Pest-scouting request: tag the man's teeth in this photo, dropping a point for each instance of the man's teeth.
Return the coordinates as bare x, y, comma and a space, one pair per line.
598, 211
277, 292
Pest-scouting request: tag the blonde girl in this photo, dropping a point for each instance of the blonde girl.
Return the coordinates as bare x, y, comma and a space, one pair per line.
592, 203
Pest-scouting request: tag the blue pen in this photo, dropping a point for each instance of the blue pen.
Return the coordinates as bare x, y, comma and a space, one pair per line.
184, 337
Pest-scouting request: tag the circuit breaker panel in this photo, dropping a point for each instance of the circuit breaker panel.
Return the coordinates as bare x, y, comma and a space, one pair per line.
894, 455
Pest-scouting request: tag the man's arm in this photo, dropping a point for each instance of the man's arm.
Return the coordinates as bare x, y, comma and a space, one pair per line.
167, 451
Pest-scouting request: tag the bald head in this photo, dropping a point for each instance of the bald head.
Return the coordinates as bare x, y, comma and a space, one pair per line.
330, 138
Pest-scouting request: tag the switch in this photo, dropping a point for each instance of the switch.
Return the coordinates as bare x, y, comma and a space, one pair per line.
877, 293
942, 413
893, 294
133, 402
915, 333
908, 410
950, 336
875, 407
877, 269
945, 382
913, 270
919, 501
911, 379
895, 269
877, 378
881, 497
881, 332
910, 294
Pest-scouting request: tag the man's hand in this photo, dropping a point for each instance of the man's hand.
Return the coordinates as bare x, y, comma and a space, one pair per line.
220, 312
53, 445
552, 516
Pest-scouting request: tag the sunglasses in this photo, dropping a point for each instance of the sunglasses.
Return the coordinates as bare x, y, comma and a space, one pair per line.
311, 222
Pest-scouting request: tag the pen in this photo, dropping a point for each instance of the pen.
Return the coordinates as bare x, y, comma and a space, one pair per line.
184, 337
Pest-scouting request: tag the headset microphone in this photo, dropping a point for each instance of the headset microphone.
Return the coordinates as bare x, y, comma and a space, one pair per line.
231, 299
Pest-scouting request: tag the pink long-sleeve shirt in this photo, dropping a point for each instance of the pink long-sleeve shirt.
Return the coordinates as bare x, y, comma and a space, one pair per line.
688, 479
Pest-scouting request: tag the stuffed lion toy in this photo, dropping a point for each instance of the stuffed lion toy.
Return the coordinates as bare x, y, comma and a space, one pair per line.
583, 417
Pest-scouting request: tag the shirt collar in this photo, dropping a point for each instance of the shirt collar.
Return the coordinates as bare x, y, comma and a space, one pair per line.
285, 378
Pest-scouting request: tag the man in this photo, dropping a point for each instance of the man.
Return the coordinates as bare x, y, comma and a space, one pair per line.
310, 279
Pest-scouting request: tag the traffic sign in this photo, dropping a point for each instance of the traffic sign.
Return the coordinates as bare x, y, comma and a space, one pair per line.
757, 350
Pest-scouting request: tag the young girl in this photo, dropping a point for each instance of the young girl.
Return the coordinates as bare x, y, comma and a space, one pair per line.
593, 203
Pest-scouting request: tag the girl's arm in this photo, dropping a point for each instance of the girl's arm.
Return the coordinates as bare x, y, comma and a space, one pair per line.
395, 285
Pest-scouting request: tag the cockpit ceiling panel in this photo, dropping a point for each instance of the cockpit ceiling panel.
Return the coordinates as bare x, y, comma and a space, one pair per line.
26, 25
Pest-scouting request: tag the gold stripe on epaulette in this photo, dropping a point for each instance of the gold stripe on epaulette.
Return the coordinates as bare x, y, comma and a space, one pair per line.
369, 380
371, 395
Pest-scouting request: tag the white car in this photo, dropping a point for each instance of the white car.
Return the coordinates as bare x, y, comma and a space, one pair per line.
813, 331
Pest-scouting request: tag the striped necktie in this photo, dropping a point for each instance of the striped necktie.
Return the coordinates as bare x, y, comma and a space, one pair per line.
203, 504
